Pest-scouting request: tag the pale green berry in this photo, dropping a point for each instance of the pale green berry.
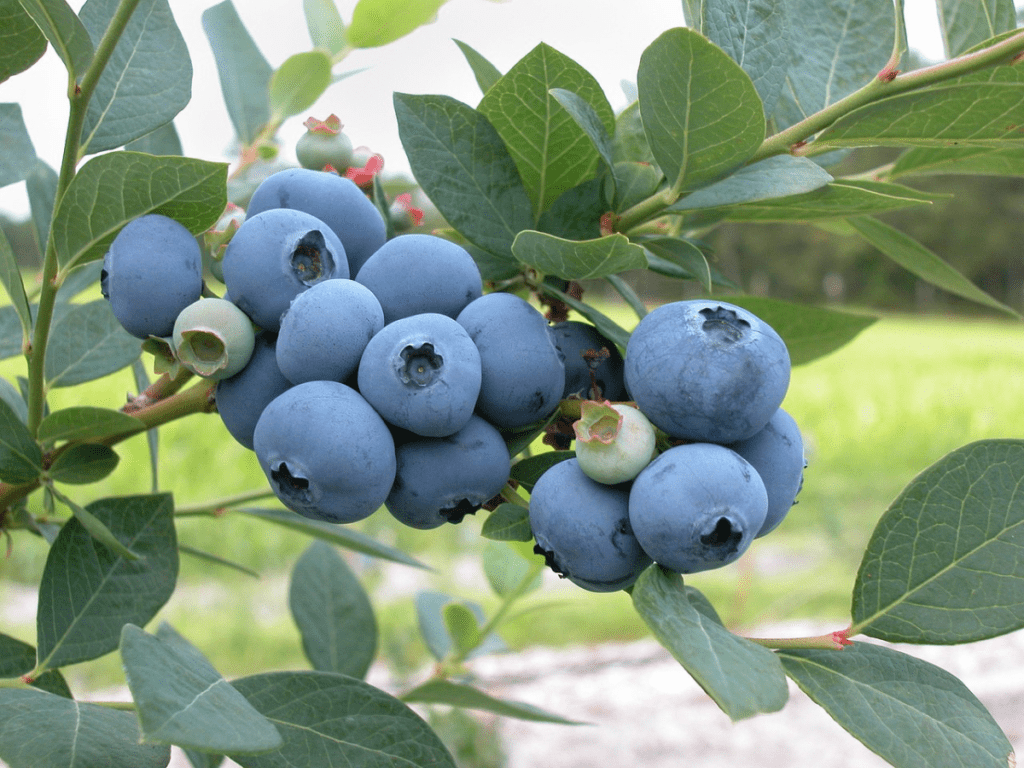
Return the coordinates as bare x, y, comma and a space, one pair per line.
614, 442
213, 338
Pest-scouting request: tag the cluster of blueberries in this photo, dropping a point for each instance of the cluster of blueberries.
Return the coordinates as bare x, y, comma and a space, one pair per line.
366, 372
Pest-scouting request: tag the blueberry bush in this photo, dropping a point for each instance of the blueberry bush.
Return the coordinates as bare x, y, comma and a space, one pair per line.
430, 376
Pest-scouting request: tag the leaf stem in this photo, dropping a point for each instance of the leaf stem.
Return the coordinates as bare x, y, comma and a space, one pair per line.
218, 507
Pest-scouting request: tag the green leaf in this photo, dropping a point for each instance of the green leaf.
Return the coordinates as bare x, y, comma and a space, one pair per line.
41, 185
965, 114
43, 730
462, 165
298, 83
335, 534
508, 522
65, 32
945, 563
21, 460
993, 161
163, 141
917, 259
10, 395
573, 260
83, 464
775, 177
84, 422
95, 527
634, 183
87, 343
111, 190
88, 593
486, 74
217, 560
809, 332
912, 713
755, 34
528, 471
576, 214
326, 29
965, 23
689, 260
629, 144
630, 296
700, 111
79, 279
467, 697
244, 72
430, 619
744, 679
604, 324
21, 42
333, 613
10, 332
147, 81
203, 759
340, 720
507, 571
551, 151
379, 22
836, 48
586, 117
181, 699
18, 659
462, 626
10, 276
17, 155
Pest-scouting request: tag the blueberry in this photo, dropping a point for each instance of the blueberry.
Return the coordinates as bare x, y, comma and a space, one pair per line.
242, 398
442, 479
574, 338
706, 370
582, 528
422, 373
523, 374
697, 506
213, 338
326, 452
152, 271
614, 441
777, 453
334, 199
276, 255
413, 274
325, 330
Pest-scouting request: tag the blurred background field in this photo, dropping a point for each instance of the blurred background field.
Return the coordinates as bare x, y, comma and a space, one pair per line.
904, 393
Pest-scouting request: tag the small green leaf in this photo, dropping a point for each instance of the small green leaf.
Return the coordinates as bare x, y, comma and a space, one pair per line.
508, 522
41, 185
430, 619
298, 83
629, 144
333, 613
44, 730
65, 32
21, 41
17, 155
21, 460
340, 720
917, 259
467, 697
78, 280
84, 422
528, 471
462, 626
243, 70
912, 713
18, 659
994, 161
700, 110
335, 534
163, 141
14, 398
326, 29
96, 527
575, 260
486, 74
682, 254
379, 22
146, 82
634, 183
87, 343
88, 593
744, 679
576, 214
586, 117
10, 277
809, 332
217, 560
507, 571
111, 190
945, 564
181, 699
774, 177
965, 23
84, 463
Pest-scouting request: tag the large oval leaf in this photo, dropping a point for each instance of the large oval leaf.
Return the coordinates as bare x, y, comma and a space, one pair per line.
578, 260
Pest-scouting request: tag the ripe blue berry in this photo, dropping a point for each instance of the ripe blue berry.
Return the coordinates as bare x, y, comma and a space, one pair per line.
242, 398
326, 452
706, 370
335, 200
422, 373
696, 507
325, 330
152, 271
413, 274
276, 255
442, 479
523, 374
582, 528
574, 339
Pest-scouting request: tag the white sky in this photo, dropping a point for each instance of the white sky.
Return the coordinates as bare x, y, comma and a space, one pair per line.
604, 36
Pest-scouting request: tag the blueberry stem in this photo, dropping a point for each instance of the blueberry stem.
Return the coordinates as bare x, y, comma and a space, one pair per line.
832, 641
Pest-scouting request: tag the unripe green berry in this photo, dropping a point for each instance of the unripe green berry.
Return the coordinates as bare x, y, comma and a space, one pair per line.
324, 144
213, 338
614, 442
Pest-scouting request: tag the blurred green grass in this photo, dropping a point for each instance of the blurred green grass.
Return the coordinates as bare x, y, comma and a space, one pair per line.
874, 414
